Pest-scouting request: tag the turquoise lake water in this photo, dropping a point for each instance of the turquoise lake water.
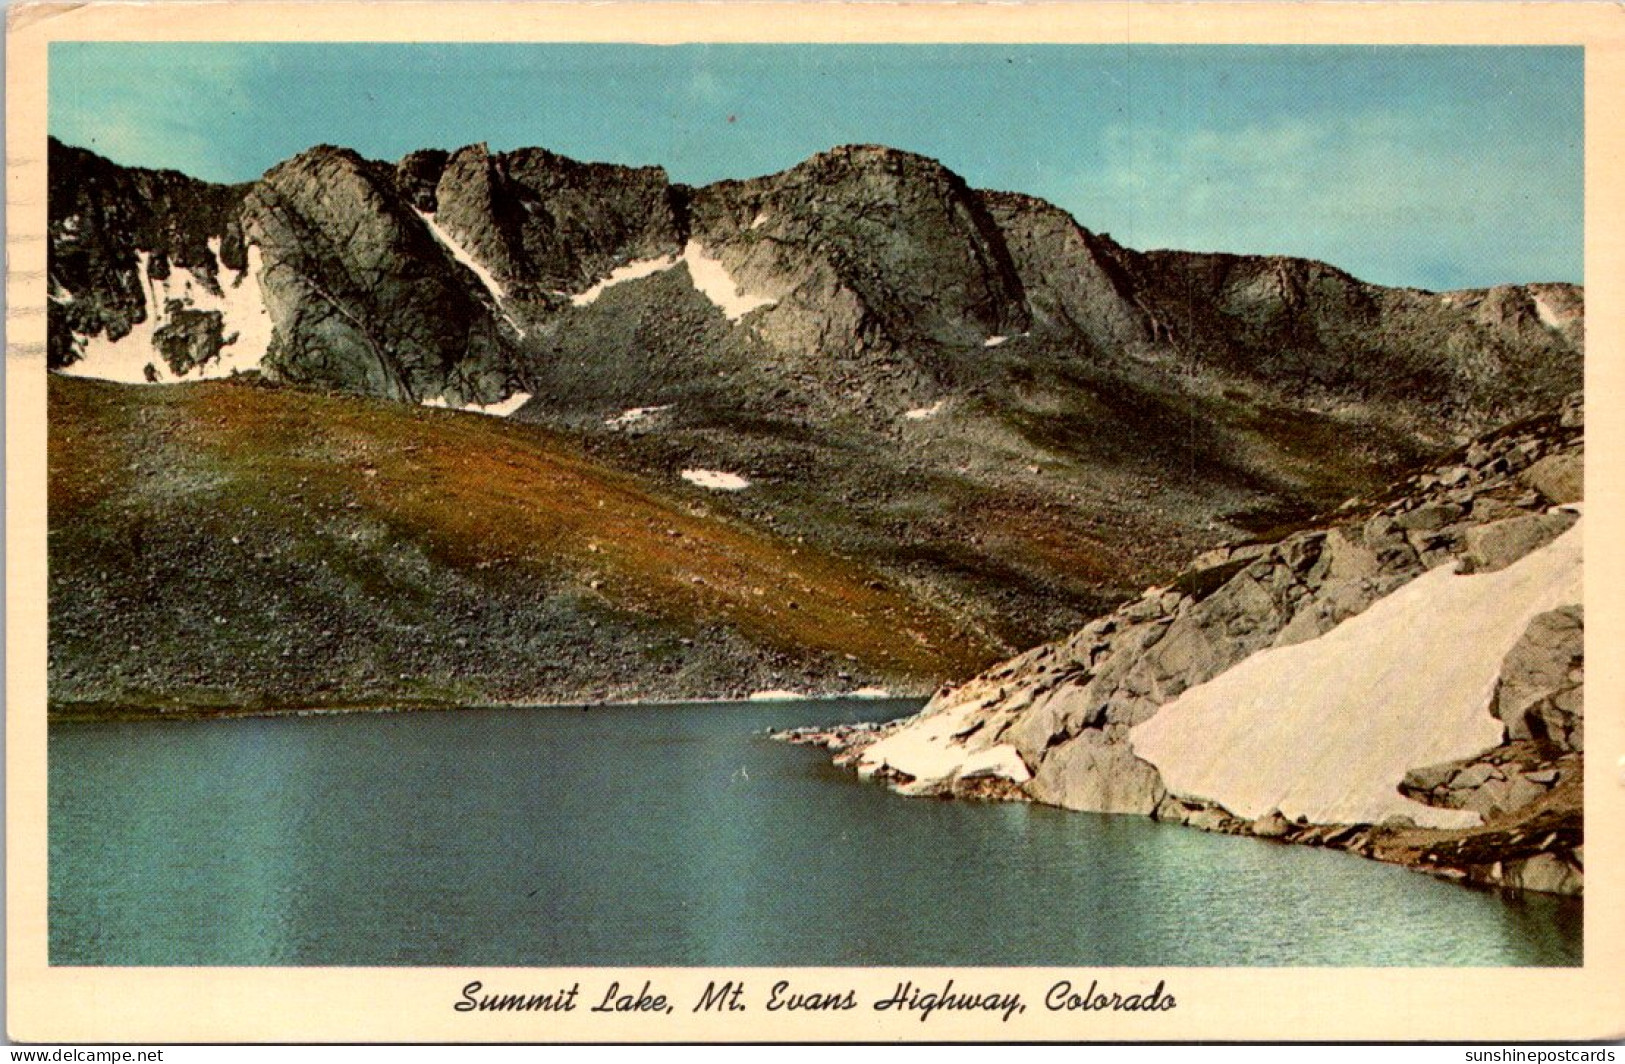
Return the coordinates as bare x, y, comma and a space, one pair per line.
675, 836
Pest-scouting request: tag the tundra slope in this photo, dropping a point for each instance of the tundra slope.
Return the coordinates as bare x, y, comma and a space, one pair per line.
226, 546
999, 412
1405, 682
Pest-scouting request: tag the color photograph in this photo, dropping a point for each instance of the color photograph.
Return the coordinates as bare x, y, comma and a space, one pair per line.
812, 505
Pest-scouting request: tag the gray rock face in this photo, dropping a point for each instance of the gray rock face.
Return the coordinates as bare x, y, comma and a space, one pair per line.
543, 224
1074, 279
361, 294
1540, 694
889, 274
897, 241
418, 174
190, 338
1091, 774
1500, 543
1275, 318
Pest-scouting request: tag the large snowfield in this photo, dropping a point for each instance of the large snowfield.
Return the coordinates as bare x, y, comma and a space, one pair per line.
1327, 729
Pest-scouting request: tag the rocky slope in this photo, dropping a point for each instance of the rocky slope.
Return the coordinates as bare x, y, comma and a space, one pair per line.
227, 546
997, 411
1404, 680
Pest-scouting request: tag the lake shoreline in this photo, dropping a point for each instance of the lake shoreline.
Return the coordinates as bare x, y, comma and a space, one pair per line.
1472, 857
97, 712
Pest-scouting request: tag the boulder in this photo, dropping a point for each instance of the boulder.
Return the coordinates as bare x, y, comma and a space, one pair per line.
1574, 411
1538, 694
1172, 811
1271, 825
1204, 579
1545, 872
1430, 517
1089, 774
1425, 780
1455, 476
1559, 477
1209, 819
1498, 544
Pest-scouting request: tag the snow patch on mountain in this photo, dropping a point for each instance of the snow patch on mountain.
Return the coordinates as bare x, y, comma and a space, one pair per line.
242, 312
716, 284
1327, 729
921, 413
1547, 315
500, 408
715, 479
634, 415
710, 277
632, 271
464, 256
242, 306
498, 293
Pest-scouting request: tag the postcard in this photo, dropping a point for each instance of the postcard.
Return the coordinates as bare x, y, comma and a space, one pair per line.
813, 522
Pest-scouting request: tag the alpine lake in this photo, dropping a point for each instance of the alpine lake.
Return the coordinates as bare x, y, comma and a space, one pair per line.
676, 835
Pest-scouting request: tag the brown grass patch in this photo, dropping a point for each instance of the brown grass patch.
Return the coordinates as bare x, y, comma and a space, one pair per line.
501, 500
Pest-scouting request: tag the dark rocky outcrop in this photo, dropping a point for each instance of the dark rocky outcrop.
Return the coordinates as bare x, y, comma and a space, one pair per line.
417, 176
190, 338
361, 294
896, 244
100, 215
1477, 358
547, 226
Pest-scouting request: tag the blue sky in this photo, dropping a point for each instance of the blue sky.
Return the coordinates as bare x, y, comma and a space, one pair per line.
1434, 167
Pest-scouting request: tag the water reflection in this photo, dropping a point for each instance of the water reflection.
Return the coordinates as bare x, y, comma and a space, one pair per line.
675, 836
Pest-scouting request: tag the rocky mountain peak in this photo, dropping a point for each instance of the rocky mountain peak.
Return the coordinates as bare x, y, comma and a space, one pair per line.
323, 155
417, 175
547, 226
862, 264
874, 158
897, 239
362, 291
